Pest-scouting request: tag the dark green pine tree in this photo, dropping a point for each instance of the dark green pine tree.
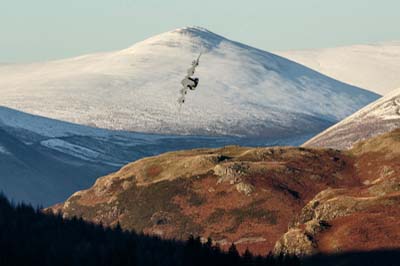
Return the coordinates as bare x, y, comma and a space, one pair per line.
248, 258
233, 255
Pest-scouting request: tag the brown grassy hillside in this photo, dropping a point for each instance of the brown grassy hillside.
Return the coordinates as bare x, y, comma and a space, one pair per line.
295, 200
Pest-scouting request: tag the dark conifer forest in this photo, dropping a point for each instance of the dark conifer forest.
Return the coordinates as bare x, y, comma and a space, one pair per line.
30, 237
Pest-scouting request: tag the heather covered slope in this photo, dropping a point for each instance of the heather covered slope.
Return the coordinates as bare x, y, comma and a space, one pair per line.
378, 117
233, 194
330, 200
243, 90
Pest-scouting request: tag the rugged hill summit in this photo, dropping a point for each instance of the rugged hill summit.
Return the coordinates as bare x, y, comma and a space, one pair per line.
233, 194
243, 91
378, 117
330, 200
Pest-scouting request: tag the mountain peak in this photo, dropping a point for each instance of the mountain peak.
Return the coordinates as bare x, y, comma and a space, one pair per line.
196, 31
194, 35
192, 29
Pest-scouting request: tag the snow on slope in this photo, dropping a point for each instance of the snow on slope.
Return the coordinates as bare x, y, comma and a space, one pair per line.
242, 91
54, 134
53, 128
374, 67
104, 146
378, 117
44, 126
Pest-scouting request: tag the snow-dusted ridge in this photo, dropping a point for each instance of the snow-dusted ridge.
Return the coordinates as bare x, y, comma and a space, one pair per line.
376, 118
243, 91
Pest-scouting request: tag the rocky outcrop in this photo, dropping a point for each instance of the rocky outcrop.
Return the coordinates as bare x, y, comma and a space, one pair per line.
329, 207
230, 172
300, 239
234, 173
245, 188
296, 241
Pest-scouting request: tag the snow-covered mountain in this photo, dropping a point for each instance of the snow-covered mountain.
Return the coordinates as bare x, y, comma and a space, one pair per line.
243, 91
43, 161
374, 67
378, 117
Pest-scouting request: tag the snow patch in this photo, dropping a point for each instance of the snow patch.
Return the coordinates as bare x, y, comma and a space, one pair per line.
71, 149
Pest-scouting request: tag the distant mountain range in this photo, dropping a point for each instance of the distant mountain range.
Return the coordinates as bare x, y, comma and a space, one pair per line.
375, 67
243, 91
43, 161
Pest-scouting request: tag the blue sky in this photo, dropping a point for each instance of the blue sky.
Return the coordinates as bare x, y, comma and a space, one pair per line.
50, 29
